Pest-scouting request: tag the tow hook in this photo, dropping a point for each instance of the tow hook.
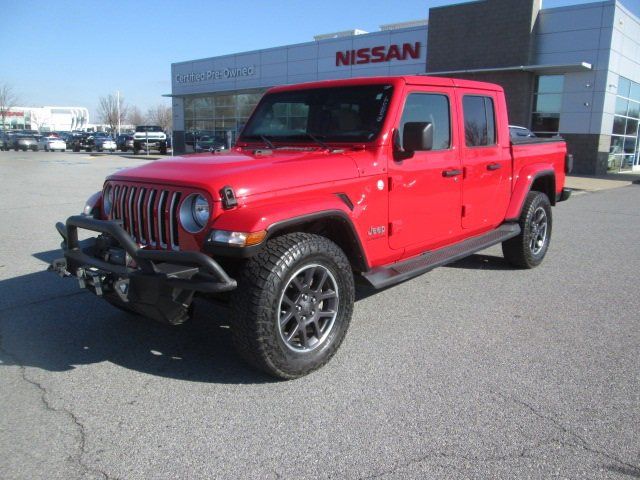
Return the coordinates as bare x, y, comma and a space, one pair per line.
59, 266
89, 276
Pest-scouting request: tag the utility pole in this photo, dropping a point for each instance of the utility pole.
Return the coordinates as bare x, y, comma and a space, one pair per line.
118, 94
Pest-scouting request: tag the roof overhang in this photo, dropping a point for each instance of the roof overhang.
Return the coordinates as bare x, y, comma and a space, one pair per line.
541, 69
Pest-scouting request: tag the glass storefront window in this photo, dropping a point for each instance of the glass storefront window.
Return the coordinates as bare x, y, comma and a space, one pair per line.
548, 103
545, 120
550, 84
634, 93
622, 106
218, 115
619, 124
624, 87
624, 151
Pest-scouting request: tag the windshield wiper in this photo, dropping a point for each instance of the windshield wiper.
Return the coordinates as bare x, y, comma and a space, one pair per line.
267, 141
318, 141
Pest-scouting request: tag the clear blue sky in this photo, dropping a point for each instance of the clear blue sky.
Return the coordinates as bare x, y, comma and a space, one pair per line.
70, 53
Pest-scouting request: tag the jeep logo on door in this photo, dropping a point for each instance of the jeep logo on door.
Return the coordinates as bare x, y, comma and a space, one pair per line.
378, 54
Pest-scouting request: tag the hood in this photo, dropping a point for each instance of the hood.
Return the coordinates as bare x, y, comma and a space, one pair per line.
247, 173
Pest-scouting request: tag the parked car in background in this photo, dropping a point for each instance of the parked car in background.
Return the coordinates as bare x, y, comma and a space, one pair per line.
209, 144
80, 141
147, 137
51, 143
5, 140
520, 132
102, 143
24, 142
124, 142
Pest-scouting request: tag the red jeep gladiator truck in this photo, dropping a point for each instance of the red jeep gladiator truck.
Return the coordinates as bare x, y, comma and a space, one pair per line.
380, 179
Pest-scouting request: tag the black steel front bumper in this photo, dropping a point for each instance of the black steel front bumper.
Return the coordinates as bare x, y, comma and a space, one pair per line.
156, 283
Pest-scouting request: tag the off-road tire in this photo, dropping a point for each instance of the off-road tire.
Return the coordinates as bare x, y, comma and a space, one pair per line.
518, 251
256, 302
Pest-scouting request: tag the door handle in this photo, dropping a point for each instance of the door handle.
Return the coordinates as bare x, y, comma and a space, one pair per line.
451, 173
494, 166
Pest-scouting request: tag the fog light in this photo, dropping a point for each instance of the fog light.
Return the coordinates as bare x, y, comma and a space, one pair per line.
237, 239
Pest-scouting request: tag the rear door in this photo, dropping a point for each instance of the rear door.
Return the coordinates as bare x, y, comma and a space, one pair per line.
486, 163
425, 190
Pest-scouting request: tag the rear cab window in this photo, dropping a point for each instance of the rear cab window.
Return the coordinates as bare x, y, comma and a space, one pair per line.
479, 121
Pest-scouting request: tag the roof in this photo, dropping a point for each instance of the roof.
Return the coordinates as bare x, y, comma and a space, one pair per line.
394, 80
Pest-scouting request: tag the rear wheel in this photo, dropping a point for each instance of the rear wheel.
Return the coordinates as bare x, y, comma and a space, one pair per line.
293, 305
529, 248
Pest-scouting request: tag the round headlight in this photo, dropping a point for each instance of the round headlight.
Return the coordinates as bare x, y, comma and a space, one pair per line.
194, 213
107, 200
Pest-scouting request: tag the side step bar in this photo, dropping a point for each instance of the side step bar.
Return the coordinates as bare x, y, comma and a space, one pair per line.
381, 277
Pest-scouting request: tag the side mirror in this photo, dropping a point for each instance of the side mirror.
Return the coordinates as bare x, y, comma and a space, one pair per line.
417, 136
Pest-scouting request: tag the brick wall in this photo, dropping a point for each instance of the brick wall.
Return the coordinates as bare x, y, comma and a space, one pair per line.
483, 34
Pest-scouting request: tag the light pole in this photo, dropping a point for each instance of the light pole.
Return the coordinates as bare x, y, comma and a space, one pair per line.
118, 95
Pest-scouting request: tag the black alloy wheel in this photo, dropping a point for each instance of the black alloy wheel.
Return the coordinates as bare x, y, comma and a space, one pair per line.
293, 305
528, 249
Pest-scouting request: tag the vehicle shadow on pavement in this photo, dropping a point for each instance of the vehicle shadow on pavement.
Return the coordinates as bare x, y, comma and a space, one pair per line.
48, 323
482, 262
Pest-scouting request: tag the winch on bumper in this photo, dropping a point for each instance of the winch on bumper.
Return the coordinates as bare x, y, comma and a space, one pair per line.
155, 283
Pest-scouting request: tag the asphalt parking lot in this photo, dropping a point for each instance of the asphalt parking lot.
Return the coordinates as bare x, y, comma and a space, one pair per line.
475, 370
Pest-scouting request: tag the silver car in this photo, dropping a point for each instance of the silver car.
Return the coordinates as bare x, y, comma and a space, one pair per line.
105, 143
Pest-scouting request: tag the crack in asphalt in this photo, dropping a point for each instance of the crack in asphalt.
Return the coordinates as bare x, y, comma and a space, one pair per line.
581, 442
521, 452
79, 427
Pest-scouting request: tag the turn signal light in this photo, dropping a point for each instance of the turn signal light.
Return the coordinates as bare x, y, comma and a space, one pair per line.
237, 239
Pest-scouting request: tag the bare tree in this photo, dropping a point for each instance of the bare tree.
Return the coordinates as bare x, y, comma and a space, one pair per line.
135, 116
8, 100
109, 113
161, 115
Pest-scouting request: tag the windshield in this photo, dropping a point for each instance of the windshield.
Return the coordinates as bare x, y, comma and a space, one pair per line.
148, 129
340, 114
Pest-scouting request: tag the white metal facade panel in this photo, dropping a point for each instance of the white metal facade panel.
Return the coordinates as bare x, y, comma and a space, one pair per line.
295, 63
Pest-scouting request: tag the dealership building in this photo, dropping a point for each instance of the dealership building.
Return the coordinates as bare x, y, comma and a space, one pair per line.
572, 71
45, 119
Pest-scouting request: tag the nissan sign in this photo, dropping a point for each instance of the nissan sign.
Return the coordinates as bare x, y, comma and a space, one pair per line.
378, 54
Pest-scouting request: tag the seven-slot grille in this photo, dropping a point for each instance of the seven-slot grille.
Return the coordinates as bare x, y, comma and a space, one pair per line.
149, 215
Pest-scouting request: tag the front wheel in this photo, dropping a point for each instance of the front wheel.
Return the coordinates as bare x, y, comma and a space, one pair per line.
527, 250
293, 305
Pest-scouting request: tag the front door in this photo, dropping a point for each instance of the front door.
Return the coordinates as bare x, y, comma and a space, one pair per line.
425, 190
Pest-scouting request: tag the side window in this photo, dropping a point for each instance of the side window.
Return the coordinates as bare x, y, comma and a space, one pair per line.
433, 108
479, 121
